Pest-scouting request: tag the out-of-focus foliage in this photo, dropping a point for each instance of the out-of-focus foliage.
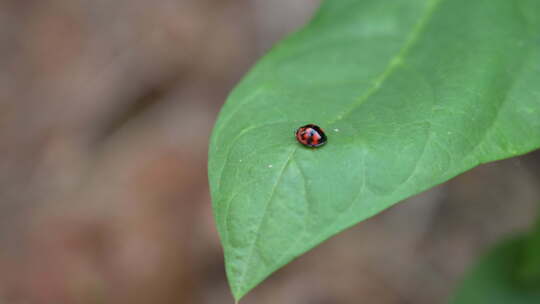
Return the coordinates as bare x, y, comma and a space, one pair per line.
498, 277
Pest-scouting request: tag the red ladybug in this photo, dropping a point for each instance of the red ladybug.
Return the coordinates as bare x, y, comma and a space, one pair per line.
311, 136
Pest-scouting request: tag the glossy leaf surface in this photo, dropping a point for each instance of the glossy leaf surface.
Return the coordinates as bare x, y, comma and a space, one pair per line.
410, 94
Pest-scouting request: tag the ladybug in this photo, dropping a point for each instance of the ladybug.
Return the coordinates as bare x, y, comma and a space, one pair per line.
310, 136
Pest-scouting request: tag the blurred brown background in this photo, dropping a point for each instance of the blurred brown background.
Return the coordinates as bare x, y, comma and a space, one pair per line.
106, 110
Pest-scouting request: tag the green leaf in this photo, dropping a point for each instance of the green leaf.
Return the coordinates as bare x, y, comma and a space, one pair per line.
528, 271
410, 93
493, 280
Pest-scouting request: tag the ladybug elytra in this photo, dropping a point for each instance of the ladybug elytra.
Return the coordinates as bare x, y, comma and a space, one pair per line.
311, 136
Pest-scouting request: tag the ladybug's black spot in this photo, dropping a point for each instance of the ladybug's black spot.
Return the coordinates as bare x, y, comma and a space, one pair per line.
309, 135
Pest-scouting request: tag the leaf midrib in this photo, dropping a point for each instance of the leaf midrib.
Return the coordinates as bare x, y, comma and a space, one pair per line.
241, 281
394, 63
